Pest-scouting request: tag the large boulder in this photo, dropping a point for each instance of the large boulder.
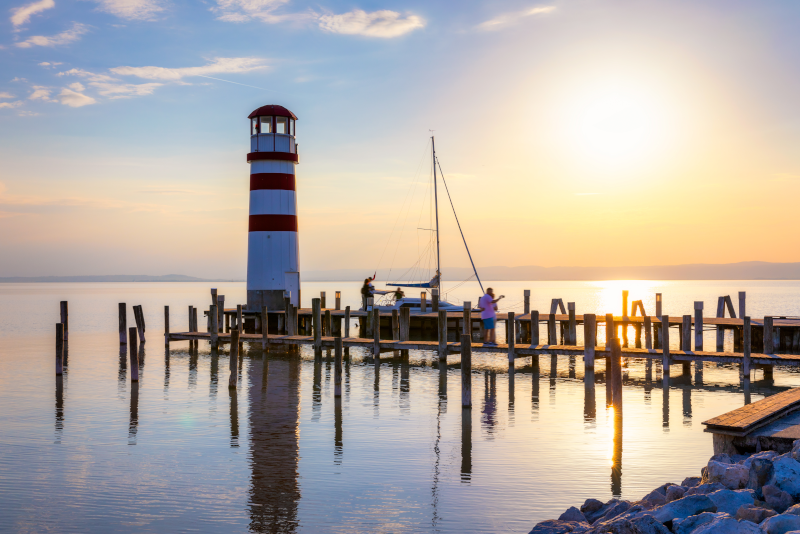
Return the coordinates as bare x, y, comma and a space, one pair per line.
658, 496
786, 475
640, 524
721, 458
730, 501
553, 526
705, 489
725, 524
796, 450
691, 523
777, 498
794, 509
682, 508
690, 482
732, 476
573, 514
593, 513
591, 506
780, 524
754, 514
765, 455
760, 473
612, 511
675, 492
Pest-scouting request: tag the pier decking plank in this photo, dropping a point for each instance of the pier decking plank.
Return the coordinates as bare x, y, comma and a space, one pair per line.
743, 420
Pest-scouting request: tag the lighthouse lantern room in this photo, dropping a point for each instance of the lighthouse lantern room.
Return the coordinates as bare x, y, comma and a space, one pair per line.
273, 270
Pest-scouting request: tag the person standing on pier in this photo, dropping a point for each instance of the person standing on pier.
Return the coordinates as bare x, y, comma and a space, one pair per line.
488, 307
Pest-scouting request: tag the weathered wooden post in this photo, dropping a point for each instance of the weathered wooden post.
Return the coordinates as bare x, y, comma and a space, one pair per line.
742, 301
213, 295
616, 371
511, 341
466, 328
264, 327
535, 329
589, 323
769, 347
573, 328
166, 326
191, 320
316, 325
658, 305
139, 316
59, 349
552, 335
221, 312
442, 335
212, 311
322, 299
338, 296
327, 324
522, 335
65, 318
720, 329
423, 302
347, 321
368, 318
686, 333
624, 303
466, 372
234, 358
337, 366
376, 333
435, 300
133, 346
611, 330
698, 325
747, 334
395, 324
665, 359
123, 324
405, 324
648, 333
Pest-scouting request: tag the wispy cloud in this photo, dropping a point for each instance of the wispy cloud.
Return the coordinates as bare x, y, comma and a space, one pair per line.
11, 105
384, 23
5, 95
131, 9
507, 19
75, 99
21, 15
41, 93
220, 65
65, 37
50, 64
111, 87
263, 10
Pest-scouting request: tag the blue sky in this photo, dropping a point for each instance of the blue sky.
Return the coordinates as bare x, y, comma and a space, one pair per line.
121, 152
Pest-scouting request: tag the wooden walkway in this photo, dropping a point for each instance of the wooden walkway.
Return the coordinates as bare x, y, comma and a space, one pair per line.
744, 420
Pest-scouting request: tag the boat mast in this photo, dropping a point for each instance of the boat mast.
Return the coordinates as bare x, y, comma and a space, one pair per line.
436, 201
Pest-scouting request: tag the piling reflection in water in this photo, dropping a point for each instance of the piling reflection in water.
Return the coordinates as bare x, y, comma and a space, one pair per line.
489, 411
234, 405
338, 445
443, 383
316, 395
166, 371
122, 375
553, 376
687, 405
746, 387
274, 452
535, 378
214, 370
59, 408
193, 357
589, 402
133, 426
616, 455
665, 403
466, 445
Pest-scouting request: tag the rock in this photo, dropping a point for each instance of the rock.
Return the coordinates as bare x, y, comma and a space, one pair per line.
780, 524
721, 458
688, 525
591, 506
732, 476
552, 526
725, 524
754, 514
777, 498
796, 450
597, 513
658, 496
794, 510
786, 475
760, 473
765, 455
618, 508
573, 514
675, 492
730, 501
692, 505
690, 482
705, 489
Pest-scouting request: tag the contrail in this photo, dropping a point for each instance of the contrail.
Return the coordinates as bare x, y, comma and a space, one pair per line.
237, 83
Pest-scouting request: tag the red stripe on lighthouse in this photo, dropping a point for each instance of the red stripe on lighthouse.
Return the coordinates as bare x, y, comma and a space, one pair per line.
272, 180
279, 156
273, 223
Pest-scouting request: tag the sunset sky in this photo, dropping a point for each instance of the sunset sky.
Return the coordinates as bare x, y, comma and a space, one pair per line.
572, 133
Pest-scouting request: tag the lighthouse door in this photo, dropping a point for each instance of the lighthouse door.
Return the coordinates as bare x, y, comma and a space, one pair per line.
292, 280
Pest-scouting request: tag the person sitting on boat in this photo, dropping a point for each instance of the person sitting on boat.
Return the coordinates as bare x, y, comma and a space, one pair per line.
434, 281
366, 292
398, 294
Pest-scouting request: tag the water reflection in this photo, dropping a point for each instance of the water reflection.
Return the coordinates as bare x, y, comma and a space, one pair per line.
213, 383
443, 383
687, 406
166, 371
133, 426
193, 357
338, 445
746, 387
665, 403
489, 411
59, 408
376, 388
535, 378
616, 456
316, 395
698, 373
466, 445
122, 375
274, 452
234, 417
589, 402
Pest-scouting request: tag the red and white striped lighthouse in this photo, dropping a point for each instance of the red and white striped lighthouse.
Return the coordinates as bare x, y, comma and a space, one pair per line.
273, 270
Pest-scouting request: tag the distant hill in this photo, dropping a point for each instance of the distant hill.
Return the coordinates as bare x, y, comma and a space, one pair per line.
748, 270
108, 278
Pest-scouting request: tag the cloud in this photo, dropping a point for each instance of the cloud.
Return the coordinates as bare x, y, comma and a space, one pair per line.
66, 37
21, 15
508, 19
16, 104
220, 65
50, 63
382, 23
91, 76
5, 95
244, 10
75, 99
77, 86
111, 87
131, 9
41, 93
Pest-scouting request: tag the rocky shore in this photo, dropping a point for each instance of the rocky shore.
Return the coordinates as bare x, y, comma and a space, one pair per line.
753, 494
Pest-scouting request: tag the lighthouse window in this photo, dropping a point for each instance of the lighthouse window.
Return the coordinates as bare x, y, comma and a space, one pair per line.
291, 126
266, 125
282, 125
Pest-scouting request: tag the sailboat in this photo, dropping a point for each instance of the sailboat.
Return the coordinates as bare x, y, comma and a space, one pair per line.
390, 301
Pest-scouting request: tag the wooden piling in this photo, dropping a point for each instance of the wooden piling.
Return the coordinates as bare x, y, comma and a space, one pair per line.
347, 321
665, 359
134, 353
466, 372
338, 300
742, 302
59, 349
139, 316
405, 324
291, 321
264, 328
616, 371
166, 326
191, 320
327, 324
698, 325
720, 330
212, 311
423, 302
337, 367
589, 323
221, 312
316, 324
213, 295
511, 341
658, 305
625, 303
435, 300
322, 302
65, 318
648, 333
535, 328
395, 324
441, 324
729, 305
123, 324
552, 335
746, 349
686, 333
466, 328
611, 329
376, 332
234, 358
769, 346
573, 328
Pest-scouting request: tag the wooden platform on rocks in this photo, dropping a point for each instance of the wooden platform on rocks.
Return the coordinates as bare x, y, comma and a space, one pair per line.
743, 421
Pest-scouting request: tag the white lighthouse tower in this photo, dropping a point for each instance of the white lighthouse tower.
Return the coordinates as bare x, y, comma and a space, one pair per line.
273, 270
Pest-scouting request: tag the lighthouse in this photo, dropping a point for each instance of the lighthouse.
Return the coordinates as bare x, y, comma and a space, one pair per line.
273, 270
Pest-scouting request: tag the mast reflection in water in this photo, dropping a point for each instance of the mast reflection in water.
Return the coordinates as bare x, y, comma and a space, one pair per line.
274, 450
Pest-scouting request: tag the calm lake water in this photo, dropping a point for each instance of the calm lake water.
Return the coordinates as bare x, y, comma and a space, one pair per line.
397, 453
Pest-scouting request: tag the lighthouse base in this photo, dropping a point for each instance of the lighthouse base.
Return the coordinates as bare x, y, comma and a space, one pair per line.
271, 298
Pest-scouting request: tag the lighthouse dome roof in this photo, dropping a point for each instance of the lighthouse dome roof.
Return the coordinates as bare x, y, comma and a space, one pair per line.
277, 111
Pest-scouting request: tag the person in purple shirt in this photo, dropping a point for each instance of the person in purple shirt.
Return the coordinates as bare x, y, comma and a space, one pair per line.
488, 307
